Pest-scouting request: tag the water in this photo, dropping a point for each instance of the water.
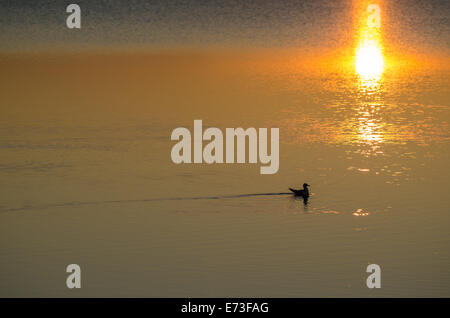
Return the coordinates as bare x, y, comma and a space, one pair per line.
86, 178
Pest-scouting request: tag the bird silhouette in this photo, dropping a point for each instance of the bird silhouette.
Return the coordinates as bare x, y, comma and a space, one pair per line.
301, 193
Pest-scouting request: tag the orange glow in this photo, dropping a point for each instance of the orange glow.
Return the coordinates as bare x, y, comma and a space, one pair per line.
369, 60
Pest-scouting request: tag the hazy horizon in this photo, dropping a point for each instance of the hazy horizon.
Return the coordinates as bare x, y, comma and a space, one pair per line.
411, 26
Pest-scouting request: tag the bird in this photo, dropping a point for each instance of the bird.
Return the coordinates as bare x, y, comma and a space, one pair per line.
301, 193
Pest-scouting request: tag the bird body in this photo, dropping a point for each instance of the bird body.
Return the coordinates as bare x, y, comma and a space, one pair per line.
301, 193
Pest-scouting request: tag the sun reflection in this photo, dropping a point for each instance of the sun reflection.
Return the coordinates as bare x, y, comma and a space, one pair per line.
370, 130
369, 62
369, 66
363, 102
361, 212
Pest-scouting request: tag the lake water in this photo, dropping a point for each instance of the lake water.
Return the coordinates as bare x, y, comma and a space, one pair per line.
86, 178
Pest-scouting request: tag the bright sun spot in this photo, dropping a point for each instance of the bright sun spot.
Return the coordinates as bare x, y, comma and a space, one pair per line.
369, 61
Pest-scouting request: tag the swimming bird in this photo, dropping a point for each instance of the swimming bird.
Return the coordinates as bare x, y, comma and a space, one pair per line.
302, 193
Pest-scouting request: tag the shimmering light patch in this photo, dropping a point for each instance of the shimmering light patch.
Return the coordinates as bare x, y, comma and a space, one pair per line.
360, 212
330, 212
370, 130
369, 61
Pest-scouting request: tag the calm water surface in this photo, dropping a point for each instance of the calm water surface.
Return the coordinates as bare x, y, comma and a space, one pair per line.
86, 178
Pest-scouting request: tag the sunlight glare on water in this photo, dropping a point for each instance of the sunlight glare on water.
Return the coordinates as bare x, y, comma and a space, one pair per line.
369, 60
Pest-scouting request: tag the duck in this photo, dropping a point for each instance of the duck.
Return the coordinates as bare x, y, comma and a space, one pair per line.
301, 193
